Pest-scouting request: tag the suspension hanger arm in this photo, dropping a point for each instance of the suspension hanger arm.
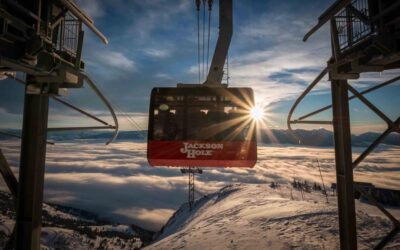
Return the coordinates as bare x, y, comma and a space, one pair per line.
10, 134
216, 70
79, 110
19, 136
297, 102
110, 108
98, 93
362, 93
58, 129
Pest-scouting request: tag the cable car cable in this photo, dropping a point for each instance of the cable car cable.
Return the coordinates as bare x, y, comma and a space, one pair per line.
131, 120
204, 125
134, 124
127, 117
120, 112
107, 103
210, 2
227, 68
198, 35
204, 37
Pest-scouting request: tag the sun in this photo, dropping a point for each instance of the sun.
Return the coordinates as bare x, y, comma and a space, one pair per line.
256, 113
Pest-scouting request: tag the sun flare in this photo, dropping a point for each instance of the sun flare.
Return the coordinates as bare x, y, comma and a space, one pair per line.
256, 113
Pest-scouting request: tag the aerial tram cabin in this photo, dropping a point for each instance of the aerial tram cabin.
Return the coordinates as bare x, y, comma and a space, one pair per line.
204, 125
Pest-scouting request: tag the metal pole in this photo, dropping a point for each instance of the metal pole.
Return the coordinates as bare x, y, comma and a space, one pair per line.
8, 176
12, 185
31, 173
344, 169
191, 187
323, 183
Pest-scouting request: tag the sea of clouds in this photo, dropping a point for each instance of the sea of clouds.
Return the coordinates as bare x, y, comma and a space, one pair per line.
116, 181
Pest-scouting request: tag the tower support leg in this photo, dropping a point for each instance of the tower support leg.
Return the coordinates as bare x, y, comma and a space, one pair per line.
344, 169
191, 187
31, 171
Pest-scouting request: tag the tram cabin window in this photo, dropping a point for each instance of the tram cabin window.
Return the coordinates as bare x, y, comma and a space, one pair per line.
201, 114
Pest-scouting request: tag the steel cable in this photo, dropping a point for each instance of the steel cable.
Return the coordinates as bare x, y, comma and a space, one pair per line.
198, 41
129, 118
204, 38
209, 32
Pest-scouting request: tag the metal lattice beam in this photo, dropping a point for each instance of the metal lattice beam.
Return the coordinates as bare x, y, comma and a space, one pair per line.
355, 51
191, 171
8, 175
343, 152
12, 185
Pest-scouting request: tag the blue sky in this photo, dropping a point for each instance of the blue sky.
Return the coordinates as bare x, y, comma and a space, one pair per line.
154, 43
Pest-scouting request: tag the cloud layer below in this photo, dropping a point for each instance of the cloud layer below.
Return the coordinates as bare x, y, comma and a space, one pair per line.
116, 181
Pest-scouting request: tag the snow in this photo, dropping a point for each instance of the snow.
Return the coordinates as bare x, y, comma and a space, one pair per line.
59, 238
68, 228
254, 216
115, 228
59, 214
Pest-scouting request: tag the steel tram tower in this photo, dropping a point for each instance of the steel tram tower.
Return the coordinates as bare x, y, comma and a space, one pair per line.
42, 39
365, 37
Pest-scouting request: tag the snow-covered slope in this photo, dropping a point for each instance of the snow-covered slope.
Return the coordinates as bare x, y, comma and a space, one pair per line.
71, 228
258, 217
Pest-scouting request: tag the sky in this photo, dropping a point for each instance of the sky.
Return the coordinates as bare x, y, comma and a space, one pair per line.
154, 44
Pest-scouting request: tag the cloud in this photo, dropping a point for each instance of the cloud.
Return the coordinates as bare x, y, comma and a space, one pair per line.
3, 111
10, 120
153, 217
157, 53
193, 69
116, 181
92, 8
115, 60
280, 67
62, 116
272, 26
156, 13
272, 73
164, 76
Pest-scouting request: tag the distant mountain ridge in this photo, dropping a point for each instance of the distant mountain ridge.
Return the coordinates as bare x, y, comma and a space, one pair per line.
322, 137
317, 137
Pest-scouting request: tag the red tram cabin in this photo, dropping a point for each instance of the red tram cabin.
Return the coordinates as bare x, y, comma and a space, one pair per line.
201, 127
